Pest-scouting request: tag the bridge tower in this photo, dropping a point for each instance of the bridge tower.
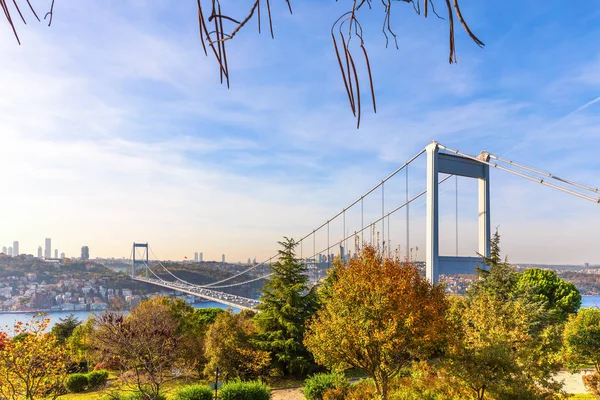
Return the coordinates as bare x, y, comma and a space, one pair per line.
461, 166
141, 260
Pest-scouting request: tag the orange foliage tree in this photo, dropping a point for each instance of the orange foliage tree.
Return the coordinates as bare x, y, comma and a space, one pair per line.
379, 314
33, 364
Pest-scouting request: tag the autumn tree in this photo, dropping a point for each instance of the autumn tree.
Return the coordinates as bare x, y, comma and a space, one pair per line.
33, 364
582, 339
145, 342
380, 315
286, 305
229, 346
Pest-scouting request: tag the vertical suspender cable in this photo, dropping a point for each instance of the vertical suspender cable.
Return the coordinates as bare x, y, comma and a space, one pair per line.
383, 215
407, 217
362, 220
456, 200
344, 235
328, 251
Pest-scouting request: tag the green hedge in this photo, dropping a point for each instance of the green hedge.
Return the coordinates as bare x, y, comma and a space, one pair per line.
316, 385
238, 390
76, 383
97, 379
194, 392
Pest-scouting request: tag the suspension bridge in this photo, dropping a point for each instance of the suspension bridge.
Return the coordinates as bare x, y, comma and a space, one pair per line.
442, 163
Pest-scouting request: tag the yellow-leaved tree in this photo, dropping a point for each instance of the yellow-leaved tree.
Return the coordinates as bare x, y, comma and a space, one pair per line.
33, 364
378, 314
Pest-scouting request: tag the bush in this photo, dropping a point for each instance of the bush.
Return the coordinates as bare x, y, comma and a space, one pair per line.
316, 385
592, 383
238, 390
194, 392
97, 379
76, 383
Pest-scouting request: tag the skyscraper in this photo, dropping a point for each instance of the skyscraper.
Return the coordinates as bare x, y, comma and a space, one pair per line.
10, 251
85, 253
196, 256
40, 252
62, 256
15, 248
223, 258
55, 253
4, 250
48, 248
201, 257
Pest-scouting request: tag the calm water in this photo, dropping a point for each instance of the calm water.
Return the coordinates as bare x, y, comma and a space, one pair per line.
10, 319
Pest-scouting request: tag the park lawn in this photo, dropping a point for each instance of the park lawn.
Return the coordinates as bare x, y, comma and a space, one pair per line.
583, 397
169, 389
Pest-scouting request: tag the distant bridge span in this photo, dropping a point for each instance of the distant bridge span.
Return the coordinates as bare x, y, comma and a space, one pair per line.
212, 295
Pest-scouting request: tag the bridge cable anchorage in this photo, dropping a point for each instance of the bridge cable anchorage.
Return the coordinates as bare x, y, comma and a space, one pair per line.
389, 213
529, 177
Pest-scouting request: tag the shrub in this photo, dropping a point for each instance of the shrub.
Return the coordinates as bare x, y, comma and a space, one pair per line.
194, 392
592, 383
316, 385
251, 390
362, 390
76, 383
97, 379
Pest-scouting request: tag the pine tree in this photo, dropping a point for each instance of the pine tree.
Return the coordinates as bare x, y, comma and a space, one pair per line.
287, 304
499, 278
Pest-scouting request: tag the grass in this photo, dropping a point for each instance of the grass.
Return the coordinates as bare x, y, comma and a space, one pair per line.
583, 397
169, 389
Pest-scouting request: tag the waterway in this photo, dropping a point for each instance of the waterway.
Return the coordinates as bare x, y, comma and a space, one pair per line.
8, 319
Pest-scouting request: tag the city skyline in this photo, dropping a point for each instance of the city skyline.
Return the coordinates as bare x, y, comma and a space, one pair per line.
125, 145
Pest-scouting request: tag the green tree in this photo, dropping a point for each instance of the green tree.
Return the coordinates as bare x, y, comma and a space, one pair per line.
79, 342
558, 297
582, 339
229, 347
497, 277
64, 328
379, 316
286, 305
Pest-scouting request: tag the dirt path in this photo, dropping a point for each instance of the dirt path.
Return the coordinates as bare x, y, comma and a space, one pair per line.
287, 394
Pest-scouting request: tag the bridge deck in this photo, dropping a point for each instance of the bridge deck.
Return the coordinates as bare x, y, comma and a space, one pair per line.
212, 295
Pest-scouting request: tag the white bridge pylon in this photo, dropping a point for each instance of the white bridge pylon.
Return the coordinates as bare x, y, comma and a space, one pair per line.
450, 164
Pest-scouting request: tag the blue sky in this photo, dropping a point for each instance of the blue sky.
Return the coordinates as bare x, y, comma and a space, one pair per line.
114, 127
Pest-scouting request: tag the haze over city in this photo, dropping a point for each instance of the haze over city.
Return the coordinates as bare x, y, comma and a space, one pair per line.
117, 130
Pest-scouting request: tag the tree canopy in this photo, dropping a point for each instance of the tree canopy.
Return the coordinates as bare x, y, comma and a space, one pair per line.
286, 305
379, 316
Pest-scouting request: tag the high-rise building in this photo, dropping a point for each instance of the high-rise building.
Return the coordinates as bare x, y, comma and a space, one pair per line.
55, 253
15, 248
62, 256
249, 261
40, 252
223, 258
48, 248
10, 251
201, 257
85, 253
196, 256
4, 250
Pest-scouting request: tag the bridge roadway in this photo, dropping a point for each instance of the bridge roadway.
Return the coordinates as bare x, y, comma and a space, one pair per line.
212, 295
